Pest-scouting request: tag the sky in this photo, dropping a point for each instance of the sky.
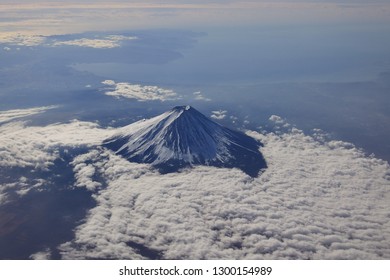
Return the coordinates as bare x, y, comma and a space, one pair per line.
53, 17
309, 79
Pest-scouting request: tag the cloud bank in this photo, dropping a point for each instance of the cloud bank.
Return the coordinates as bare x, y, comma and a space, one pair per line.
139, 92
317, 200
35, 146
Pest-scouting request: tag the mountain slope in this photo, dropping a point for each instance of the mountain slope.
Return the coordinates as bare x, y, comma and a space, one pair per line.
184, 137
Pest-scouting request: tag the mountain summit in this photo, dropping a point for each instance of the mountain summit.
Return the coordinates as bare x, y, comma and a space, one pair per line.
184, 137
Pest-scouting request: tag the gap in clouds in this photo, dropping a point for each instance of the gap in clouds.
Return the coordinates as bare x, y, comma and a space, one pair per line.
41, 208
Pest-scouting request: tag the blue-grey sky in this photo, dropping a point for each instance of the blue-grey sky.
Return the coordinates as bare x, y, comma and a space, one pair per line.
53, 17
310, 79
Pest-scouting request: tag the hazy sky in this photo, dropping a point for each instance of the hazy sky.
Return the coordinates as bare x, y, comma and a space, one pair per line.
272, 66
54, 17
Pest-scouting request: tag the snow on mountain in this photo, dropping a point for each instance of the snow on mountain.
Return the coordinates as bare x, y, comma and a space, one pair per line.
184, 137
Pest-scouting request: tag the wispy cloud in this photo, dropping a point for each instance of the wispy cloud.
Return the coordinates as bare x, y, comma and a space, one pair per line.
199, 96
6, 116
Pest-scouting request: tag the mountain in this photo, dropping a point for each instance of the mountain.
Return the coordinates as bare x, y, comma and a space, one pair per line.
184, 137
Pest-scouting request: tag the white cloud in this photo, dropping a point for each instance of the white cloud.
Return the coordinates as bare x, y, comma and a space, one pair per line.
108, 42
21, 186
84, 173
109, 82
199, 96
29, 40
218, 115
121, 38
316, 200
37, 146
276, 119
4, 191
139, 92
42, 255
19, 39
6, 116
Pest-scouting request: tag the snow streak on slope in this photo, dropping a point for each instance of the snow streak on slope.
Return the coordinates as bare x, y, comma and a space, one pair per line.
183, 137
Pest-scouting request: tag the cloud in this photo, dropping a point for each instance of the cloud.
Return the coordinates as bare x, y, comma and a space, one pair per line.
218, 115
20, 186
108, 42
199, 96
139, 92
6, 116
316, 200
276, 119
35, 146
84, 173
31, 40
43, 255
109, 83
20, 39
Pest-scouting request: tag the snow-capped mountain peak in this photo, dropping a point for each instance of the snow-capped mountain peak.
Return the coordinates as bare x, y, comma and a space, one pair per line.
185, 137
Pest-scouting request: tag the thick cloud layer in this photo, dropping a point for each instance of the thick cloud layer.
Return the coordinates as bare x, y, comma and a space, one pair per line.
317, 200
37, 146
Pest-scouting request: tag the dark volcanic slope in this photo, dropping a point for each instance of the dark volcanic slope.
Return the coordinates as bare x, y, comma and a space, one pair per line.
184, 137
